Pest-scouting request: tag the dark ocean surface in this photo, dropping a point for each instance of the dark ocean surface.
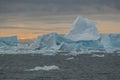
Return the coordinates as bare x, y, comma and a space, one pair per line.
80, 67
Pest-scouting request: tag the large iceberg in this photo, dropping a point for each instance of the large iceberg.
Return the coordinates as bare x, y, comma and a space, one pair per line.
8, 41
82, 36
83, 29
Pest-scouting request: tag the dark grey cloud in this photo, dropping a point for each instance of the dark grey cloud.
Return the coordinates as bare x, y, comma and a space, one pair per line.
54, 11
49, 7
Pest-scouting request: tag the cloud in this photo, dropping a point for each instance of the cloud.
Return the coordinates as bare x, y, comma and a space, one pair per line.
56, 7
16, 27
9, 27
40, 8
35, 28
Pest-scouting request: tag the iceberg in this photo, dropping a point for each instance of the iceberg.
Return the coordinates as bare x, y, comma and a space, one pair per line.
98, 55
70, 58
8, 41
83, 29
82, 36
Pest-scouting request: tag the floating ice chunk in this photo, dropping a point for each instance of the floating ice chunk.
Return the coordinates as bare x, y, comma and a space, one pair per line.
48, 52
83, 29
70, 58
45, 68
98, 55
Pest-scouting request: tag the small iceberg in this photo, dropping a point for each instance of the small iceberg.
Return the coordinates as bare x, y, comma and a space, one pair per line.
70, 58
98, 55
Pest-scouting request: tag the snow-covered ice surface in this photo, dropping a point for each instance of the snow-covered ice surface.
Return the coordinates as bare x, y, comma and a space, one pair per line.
45, 68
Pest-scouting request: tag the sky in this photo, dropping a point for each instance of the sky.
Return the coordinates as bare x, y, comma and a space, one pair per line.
31, 18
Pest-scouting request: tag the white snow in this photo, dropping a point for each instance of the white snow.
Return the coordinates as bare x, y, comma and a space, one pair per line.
83, 29
45, 68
